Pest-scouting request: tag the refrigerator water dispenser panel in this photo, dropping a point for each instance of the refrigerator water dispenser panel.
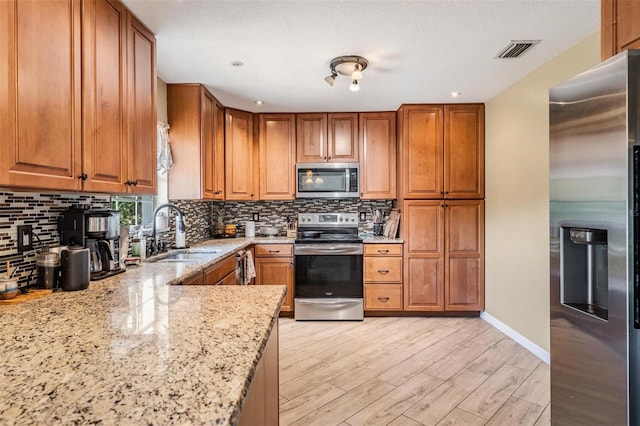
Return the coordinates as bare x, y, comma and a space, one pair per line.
584, 280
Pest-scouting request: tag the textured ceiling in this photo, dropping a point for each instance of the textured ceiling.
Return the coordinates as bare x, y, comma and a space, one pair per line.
418, 51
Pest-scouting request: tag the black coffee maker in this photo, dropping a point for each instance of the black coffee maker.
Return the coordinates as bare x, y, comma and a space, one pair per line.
99, 231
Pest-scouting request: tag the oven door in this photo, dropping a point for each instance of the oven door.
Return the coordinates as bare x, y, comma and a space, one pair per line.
328, 271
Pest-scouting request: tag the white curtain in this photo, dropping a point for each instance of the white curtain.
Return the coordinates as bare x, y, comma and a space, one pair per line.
164, 149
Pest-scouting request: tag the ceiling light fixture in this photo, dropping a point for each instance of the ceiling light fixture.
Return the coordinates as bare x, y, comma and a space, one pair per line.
455, 94
259, 102
351, 66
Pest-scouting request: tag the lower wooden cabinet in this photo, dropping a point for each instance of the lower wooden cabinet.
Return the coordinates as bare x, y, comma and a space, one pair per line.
382, 277
444, 255
261, 406
220, 273
274, 266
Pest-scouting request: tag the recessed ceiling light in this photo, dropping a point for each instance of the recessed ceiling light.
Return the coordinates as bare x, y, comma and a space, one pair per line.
455, 94
259, 102
237, 64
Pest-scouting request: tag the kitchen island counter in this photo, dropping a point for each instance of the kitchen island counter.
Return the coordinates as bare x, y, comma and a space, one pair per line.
132, 349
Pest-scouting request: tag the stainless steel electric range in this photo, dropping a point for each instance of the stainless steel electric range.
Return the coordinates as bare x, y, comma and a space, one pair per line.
328, 267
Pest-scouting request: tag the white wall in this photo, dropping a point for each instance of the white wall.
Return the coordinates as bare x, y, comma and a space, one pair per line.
517, 194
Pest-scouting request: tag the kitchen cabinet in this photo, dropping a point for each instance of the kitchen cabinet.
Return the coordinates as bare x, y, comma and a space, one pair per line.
262, 403
274, 266
378, 155
104, 109
327, 138
223, 272
277, 153
142, 165
382, 273
444, 255
240, 163
197, 143
620, 26
87, 123
40, 94
441, 151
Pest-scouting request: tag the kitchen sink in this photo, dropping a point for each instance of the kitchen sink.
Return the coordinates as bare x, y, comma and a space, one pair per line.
188, 257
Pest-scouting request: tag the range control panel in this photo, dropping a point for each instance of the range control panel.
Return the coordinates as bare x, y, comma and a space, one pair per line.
328, 219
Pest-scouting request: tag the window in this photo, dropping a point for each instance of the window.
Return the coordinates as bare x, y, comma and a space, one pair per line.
134, 210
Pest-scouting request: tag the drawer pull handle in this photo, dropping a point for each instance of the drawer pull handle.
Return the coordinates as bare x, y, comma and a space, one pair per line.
274, 251
383, 251
383, 271
383, 299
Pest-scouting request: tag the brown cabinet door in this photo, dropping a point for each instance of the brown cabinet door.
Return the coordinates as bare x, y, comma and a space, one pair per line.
141, 92
208, 145
40, 94
464, 151
218, 158
342, 139
104, 74
464, 281
421, 150
239, 153
311, 138
627, 14
378, 154
276, 271
423, 230
277, 150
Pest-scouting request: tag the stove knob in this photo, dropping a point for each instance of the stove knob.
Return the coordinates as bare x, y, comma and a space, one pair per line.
341, 219
353, 220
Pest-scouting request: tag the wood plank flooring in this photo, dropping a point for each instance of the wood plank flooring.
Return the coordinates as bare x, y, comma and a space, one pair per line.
408, 372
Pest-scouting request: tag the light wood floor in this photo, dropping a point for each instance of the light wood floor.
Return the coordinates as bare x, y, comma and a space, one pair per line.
408, 371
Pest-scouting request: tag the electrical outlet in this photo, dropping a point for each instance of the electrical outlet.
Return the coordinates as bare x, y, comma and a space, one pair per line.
25, 238
255, 217
363, 216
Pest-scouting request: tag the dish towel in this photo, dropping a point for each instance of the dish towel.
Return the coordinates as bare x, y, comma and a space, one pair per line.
165, 160
249, 268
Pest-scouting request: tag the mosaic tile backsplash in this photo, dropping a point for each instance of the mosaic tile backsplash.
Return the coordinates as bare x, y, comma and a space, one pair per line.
41, 211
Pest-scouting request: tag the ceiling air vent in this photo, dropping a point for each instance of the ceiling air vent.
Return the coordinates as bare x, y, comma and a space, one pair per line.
516, 48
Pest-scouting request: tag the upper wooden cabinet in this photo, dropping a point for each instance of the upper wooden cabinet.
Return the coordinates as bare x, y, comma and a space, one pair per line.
197, 143
620, 26
378, 155
441, 151
104, 110
40, 94
277, 152
141, 90
71, 127
464, 151
327, 137
240, 163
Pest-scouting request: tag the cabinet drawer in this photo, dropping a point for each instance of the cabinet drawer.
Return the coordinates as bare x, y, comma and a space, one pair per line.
214, 273
381, 297
196, 279
230, 279
271, 250
383, 249
383, 269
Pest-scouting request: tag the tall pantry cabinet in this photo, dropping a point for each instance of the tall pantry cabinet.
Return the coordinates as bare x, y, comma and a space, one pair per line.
440, 194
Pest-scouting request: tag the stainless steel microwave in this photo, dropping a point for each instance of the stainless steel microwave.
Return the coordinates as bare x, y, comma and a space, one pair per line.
327, 180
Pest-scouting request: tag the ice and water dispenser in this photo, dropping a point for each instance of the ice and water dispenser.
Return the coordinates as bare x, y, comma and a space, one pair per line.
584, 281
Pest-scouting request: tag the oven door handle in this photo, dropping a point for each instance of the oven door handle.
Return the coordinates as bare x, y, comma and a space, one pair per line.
328, 302
326, 249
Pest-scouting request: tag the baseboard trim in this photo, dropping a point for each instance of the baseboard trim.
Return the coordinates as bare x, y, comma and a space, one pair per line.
519, 338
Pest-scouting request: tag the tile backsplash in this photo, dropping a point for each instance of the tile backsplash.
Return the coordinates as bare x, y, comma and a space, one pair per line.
41, 211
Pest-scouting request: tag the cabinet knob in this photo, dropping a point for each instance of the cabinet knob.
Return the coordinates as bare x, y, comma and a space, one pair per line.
383, 271
127, 183
135, 182
329, 157
383, 299
83, 177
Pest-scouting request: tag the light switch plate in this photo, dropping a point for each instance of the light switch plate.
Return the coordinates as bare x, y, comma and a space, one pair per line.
25, 238
363, 216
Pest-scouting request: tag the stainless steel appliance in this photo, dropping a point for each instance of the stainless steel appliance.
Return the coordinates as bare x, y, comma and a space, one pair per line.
328, 267
328, 180
594, 159
99, 231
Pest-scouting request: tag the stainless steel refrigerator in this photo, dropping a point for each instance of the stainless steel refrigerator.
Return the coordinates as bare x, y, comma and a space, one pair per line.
594, 179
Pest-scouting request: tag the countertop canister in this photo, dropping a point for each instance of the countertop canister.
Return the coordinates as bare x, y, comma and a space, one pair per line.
250, 229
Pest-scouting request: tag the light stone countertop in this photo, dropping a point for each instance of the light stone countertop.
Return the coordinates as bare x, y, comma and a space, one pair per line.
132, 349
371, 239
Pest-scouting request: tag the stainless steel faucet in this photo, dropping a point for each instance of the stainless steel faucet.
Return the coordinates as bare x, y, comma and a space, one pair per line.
180, 226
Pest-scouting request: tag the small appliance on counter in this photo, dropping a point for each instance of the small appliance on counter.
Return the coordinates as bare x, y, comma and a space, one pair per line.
75, 273
99, 231
48, 266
